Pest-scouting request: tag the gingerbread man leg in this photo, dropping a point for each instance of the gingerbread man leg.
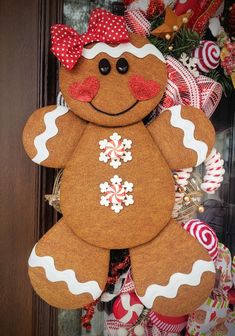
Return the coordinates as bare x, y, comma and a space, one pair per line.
66, 271
173, 273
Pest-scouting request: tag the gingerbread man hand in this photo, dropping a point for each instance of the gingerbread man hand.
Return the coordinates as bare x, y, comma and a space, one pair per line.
184, 130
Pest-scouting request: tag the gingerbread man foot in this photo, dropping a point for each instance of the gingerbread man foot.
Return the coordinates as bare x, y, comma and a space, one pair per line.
65, 271
177, 275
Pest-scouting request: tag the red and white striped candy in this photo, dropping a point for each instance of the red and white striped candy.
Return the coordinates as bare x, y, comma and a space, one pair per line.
127, 308
182, 181
168, 323
183, 176
214, 172
114, 149
115, 193
207, 55
204, 234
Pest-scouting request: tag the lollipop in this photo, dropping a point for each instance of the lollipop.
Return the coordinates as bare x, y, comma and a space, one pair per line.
127, 308
204, 234
207, 55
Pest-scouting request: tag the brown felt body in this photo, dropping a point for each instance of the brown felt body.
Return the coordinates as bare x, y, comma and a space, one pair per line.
153, 190
69, 252
172, 251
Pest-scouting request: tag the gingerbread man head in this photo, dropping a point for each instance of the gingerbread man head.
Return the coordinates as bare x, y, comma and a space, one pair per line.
115, 85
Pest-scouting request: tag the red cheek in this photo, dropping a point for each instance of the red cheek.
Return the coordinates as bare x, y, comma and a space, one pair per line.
143, 89
86, 90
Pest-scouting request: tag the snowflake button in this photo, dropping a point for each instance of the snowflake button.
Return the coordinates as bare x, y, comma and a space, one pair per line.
116, 194
114, 150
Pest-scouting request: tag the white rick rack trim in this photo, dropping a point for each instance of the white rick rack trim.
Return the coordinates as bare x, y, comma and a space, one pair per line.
50, 131
176, 281
117, 51
188, 127
68, 276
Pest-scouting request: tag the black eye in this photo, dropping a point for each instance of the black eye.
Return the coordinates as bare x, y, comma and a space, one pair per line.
122, 66
104, 66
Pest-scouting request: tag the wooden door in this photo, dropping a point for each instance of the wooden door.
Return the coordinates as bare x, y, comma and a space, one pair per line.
28, 77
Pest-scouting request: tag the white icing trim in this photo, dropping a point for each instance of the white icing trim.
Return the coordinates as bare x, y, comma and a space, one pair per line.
68, 276
177, 280
188, 127
50, 131
117, 51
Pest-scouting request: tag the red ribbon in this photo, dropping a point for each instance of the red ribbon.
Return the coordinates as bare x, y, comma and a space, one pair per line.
185, 89
67, 44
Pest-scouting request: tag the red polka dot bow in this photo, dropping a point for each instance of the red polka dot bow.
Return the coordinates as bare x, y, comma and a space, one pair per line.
67, 44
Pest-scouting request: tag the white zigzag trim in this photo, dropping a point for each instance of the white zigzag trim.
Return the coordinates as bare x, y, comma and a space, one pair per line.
68, 276
188, 127
176, 281
50, 131
117, 51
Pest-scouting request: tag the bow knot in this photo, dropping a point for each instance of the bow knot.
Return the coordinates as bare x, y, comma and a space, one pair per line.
67, 44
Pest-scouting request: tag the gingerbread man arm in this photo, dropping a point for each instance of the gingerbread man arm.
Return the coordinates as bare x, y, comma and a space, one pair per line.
51, 135
184, 135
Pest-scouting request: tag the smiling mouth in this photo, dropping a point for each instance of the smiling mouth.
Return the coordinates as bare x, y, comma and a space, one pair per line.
117, 114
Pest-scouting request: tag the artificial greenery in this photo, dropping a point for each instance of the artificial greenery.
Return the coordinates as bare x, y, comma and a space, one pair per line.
185, 41
219, 76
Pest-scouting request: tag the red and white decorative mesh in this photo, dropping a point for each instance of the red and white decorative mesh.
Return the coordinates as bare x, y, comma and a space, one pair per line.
136, 22
183, 88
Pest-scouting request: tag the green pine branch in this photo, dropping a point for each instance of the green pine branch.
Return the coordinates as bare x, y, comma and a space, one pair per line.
219, 76
185, 41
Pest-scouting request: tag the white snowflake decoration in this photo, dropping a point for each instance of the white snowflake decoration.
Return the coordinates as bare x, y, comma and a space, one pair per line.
190, 63
116, 194
114, 150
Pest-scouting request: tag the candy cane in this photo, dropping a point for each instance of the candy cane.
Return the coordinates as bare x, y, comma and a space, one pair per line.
181, 177
214, 172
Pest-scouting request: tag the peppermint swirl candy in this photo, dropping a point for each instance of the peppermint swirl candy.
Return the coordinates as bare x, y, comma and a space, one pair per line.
127, 308
114, 149
204, 234
214, 172
116, 193
207, 55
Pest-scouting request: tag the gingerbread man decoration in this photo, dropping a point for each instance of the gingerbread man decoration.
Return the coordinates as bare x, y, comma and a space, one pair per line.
117, 189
